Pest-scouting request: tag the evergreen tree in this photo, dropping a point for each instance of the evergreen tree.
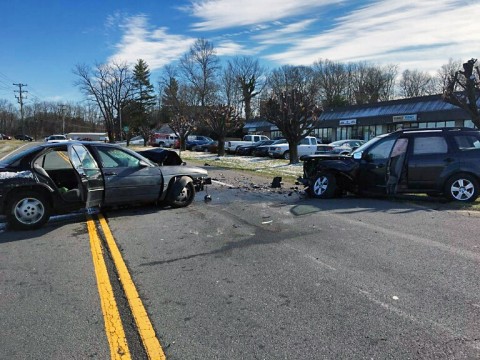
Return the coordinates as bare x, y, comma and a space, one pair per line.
140, 110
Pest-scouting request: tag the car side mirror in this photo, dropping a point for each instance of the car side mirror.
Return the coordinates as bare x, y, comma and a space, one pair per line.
143, 164
358, 155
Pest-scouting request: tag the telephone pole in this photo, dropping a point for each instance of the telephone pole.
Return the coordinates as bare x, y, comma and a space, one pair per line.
62, 107
20, 101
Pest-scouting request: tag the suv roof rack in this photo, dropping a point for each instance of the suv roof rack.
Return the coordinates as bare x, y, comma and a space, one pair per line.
440, 129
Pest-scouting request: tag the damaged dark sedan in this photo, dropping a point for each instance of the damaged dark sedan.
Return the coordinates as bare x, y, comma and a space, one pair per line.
57, 178
438, 162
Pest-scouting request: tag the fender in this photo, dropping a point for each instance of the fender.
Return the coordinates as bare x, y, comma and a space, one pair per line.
177, 187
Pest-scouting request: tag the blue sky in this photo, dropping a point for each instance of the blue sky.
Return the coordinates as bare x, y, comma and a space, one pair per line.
42, 40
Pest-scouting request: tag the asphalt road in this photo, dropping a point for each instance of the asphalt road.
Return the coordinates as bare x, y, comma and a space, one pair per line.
257, 273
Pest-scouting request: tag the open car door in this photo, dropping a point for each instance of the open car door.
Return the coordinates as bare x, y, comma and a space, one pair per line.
91, 178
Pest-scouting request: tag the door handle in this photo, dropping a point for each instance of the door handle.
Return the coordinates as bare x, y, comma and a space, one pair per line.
110, 173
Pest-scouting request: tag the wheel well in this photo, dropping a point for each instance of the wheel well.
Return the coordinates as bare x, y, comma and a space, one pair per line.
39, 189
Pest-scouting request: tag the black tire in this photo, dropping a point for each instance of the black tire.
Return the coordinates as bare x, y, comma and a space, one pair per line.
28, 210
286, 155
185, 197
324, 187
462, 187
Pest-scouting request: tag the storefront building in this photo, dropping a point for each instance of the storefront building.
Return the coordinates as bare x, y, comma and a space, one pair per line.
367, 121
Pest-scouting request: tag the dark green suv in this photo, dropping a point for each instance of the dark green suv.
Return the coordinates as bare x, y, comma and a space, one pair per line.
439, 162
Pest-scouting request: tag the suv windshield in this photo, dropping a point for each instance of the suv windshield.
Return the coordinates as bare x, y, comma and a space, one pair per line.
369, 144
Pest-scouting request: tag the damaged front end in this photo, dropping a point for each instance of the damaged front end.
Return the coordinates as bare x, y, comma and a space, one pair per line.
342, 167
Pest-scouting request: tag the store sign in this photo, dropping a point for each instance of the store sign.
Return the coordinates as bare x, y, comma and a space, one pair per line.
347, 122
402, 118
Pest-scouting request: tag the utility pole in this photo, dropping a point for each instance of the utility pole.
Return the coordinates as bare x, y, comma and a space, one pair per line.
20, 101
62, 107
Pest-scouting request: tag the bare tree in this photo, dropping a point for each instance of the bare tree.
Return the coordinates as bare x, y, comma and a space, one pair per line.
250, 79
468, 80
199, 66
221, 119
8, 117
295, 114
371, 84
332, 78
110, 87
445, 73
179, 104
416, 83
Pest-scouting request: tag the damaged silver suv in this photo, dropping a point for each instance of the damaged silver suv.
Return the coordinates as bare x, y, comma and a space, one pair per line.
439, 162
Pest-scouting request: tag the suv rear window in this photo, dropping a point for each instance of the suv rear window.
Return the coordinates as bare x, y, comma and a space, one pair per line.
430, 145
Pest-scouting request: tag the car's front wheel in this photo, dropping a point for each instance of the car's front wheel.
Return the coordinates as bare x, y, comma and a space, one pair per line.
185, 196
28, 210
324, 186
286, 155
462, 187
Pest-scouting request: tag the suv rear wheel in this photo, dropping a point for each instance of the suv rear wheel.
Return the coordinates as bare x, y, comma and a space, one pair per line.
324, 186
462, 187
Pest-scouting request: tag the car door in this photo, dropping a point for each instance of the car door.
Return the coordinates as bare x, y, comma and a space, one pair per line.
89, 174
428, 157
128, 178
373, 165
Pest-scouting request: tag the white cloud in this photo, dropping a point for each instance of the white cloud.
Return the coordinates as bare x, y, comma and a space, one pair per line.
424, 34
221, 14
154, 45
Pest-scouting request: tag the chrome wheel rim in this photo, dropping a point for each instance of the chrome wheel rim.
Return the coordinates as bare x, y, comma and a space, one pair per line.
320, 185
462, 189
184, 194
29, 211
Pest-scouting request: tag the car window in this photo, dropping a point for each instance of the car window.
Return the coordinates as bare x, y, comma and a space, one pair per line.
305, 141
86, 160
53, 160
467, 141
381, 150
430, 145
113, 158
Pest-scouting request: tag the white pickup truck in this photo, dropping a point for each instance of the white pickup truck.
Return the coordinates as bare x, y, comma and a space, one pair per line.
231, 146
307, 146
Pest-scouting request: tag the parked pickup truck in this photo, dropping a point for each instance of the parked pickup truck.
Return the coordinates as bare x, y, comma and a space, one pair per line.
307, 146
231, 146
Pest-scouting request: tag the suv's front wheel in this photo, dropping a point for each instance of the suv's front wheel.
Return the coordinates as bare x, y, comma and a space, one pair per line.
324, 186
462, 187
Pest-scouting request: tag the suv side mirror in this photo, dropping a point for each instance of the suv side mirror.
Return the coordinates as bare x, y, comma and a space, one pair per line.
358, 155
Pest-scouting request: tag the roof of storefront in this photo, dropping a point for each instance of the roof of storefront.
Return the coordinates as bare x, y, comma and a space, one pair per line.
388, 108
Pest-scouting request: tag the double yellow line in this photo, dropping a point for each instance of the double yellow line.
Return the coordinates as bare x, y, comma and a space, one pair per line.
113, 324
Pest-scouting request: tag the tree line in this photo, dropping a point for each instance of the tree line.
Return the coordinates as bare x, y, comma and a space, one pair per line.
198, 93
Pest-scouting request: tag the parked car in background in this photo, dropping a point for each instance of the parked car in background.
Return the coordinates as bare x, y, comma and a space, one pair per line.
192, 140
136, 141
438, 162
262, 150
23, 137
343, 147
307, 146
211, 147
56, 178
56, 138
232, 145
247, 150
5, 137
162, 140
